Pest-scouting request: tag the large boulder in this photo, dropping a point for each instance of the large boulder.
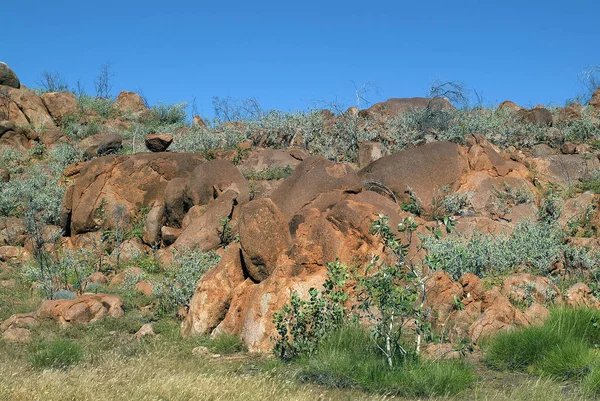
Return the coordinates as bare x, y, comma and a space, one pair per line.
26, 108
87, 308
246, 306
564, 170
525, 287
158, 142
60, 104
129, 102
100, 145
214, 292
203, 227
581, 296
121, 183
264, 236
311, 178
263, 159
509, 105
539, 116
498, 315
8, 77
16, 137
209, 179
425, 171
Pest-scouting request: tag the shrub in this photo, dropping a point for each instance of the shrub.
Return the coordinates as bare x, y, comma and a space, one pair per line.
535, 244
100, 105
55, 354
64, 294
169, 114
178, 286
44, 191
302, 324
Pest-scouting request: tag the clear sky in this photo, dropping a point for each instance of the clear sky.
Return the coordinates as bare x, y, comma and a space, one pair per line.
290, 54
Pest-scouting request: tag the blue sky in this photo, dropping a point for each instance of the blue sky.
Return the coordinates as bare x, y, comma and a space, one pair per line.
289, 55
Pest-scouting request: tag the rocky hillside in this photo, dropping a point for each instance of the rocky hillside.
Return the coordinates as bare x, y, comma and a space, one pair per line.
126, 191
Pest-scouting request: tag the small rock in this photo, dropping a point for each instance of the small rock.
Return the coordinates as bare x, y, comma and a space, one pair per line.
205, 352
144, 287
170, 235
158, 142
16, 335
144, 331
368, 152
568, 148
97, 278
4, 174
7, 283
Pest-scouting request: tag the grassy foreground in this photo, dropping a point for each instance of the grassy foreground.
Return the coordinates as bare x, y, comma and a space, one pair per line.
115, 366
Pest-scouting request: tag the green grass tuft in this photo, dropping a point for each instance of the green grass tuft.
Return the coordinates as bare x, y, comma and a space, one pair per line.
226, 344
55, 354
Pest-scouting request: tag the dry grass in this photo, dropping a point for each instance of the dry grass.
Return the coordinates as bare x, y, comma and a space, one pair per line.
158, 376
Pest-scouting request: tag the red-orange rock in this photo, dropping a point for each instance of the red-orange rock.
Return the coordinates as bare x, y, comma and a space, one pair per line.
84, 309
264, 235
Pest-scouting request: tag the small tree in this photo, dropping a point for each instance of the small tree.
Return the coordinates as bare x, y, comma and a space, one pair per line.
46, 260
302, 324
103, 82
590, 79
390, 295
52, 82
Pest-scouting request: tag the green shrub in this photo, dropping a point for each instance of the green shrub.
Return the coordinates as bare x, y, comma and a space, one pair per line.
349, 358
102, 106
178, 286
64, 294
226, 344
55, 354
535, 244
302, 324
42, 189
170, 114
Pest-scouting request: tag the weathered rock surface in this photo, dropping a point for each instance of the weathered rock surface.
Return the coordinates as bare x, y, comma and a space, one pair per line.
129, 102
204, 230
116, 187
311, 178
60, 104
397, 106
264, 236
440, 164
100, 145
25, 107
210, 179
87, 308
